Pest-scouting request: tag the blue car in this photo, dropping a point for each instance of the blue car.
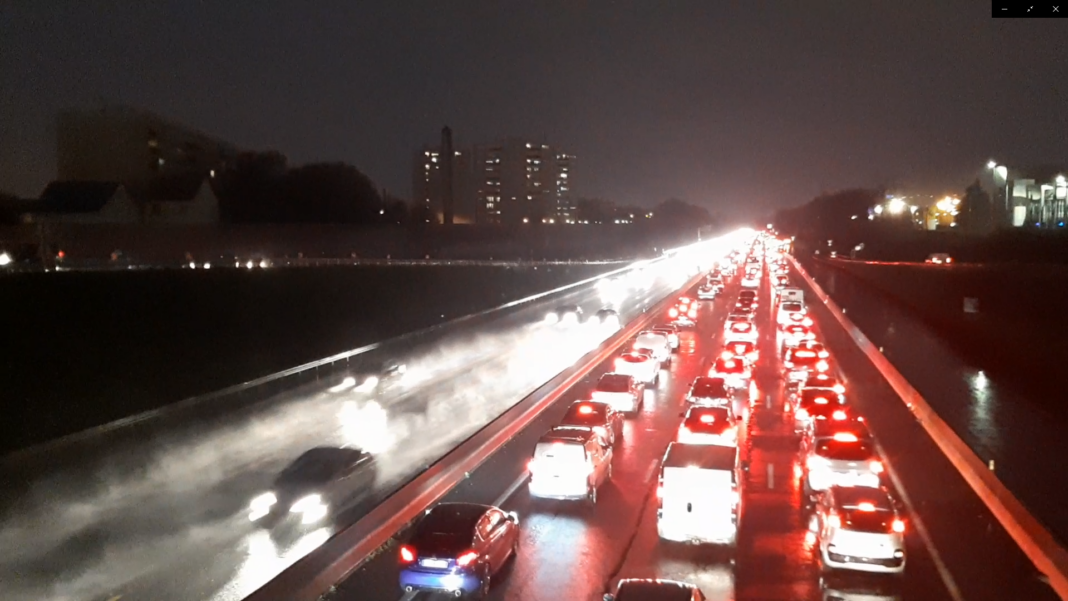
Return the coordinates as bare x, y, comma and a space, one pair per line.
457, 547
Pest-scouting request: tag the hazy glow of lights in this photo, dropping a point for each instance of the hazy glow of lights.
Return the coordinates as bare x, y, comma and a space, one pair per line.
879, 209
991, 164
5, 259
896, 206
368, 385
345, 384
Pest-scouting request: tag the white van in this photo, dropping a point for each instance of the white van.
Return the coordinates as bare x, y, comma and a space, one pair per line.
570, 463
699, 494
791, 295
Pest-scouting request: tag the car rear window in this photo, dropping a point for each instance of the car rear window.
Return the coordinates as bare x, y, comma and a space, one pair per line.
792, 307
878, 521
649, 591
728, 366
633, 358
810, 398
614, 383
560, 451
709, 387
711, 420
845, 451
446, 531
585, 414
804, 358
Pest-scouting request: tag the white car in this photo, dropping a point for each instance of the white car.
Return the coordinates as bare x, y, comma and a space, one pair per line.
706, 292
859, 529
791, 312
671, 331
641, 365
744, 330
707, 424
657, 343
623, 392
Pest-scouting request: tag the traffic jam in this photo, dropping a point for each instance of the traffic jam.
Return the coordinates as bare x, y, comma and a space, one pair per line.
852, 521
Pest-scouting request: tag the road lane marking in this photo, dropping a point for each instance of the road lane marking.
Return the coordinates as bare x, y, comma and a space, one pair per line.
921, 529
508, 492
771, 475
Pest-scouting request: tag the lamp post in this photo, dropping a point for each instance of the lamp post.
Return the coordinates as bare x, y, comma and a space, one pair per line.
1003, 172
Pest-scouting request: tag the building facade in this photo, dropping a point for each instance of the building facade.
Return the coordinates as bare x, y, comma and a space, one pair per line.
135, 148
511, 181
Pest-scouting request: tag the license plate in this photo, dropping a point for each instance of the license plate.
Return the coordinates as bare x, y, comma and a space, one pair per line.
434, 563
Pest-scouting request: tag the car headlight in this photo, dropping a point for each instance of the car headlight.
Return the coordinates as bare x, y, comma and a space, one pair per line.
263, 502
307, 503
552, 318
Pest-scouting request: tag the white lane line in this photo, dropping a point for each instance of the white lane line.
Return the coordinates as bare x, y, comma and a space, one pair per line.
514, 486
771, 476
649, 473
921, 529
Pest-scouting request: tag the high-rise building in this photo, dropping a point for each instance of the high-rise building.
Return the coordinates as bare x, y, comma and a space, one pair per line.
428, 180
135, 148
511, 181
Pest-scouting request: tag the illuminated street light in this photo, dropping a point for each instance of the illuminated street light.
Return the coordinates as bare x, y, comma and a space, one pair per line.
991, 164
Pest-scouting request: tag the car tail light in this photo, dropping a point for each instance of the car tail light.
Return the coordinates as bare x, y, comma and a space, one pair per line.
876, 467
673, 312
824, 354
801, 414
845, 437
838, 415
865, 506
532, 465
820, 401
407, 554
684, 431
839, 388
707, 419
897, 526
693, 313
834, 521
822, 366
807, 321
465, 559
726, 355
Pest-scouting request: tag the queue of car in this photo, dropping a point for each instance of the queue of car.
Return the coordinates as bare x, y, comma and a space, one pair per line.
854, 521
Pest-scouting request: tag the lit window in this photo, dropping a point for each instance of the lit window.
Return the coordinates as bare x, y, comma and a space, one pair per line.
563, 175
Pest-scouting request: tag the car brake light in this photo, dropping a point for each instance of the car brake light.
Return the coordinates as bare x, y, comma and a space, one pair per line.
898, 526
707, 419
673, 312
660, 491
834, 521
824, 354
838, 415
865, 506
876, 467
466, 558
725, 355
585, 410
693, 312
839, 388
684, 431
407, 553
801, 414
531, 465
807, 321
845, 437
820, 401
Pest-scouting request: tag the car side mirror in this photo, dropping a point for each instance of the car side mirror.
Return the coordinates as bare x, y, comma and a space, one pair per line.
513, 517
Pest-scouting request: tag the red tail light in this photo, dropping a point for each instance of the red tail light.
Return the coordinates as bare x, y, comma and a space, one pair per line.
659, 491
407, 554
531, 465
693, 313
466, 558
898, 526
684, 431
876, 467
839, 415
801, 414
673, 312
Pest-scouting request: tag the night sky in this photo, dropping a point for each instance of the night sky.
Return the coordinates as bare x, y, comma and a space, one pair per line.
725, 103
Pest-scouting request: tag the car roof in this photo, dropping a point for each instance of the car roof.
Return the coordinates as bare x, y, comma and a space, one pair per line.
702, 456
567, 434
648, 586
827, 429
459, 516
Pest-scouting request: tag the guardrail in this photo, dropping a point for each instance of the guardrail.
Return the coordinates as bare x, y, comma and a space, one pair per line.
202, 407
312, 576
1035, 540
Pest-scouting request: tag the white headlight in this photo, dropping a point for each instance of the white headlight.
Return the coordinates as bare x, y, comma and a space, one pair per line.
306, 503
263, 502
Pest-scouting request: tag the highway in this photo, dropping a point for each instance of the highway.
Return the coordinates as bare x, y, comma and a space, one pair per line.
165, 517
956, 549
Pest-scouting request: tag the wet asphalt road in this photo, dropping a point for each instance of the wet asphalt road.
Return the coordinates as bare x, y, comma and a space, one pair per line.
956, 550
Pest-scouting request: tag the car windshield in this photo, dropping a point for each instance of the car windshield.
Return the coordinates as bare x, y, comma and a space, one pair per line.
845, 451
614, 383
804, 358
712, 388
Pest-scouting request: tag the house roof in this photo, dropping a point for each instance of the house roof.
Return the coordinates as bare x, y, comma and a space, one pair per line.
75, 196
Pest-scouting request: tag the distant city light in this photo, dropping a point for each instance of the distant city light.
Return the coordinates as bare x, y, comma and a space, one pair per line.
5, 259
896, 206
878, 209
991, 164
